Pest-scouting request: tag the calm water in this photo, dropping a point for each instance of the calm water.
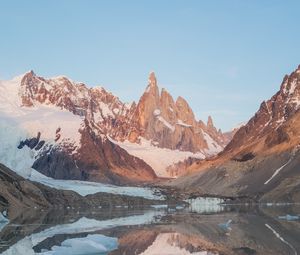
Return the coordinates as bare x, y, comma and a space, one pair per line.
197, 230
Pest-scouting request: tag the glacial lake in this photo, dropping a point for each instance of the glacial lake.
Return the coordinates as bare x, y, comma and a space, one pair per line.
160, 230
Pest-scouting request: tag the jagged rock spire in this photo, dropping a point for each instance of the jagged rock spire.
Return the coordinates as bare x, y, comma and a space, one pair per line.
210, 123
152, 79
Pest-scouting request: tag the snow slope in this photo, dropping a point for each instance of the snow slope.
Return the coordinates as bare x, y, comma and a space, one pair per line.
152, 155
45, 119
213, 147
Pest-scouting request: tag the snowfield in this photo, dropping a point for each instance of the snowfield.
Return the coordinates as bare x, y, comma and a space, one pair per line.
48, 120
152, 155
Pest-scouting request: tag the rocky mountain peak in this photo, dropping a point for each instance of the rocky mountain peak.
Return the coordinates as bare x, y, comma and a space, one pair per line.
172, 124
152, 79
272, 114
185, 113
210, 123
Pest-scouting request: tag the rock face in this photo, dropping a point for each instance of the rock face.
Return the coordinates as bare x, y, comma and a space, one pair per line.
271, 116
172, 124
262, 159
79, 138
97, 159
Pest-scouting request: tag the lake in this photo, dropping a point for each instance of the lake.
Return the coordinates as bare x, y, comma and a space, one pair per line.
198, 229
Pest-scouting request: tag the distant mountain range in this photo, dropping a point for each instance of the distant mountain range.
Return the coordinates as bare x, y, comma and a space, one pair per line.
66, 130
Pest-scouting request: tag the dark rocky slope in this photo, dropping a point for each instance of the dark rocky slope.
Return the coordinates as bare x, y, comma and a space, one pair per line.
18, 194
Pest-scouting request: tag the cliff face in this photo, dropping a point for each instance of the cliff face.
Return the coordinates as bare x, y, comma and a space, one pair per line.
271, 116
172, 124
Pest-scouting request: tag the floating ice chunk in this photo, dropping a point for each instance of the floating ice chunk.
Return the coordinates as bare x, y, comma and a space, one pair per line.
92, 244
159, 206
3, 220
289, 217
225, 226
206, 204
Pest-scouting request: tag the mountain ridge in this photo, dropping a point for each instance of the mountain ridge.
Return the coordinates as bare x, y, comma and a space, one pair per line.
261, 160
61, 117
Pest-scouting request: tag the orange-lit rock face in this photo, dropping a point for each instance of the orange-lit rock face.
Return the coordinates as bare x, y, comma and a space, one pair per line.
172, 124
272, 113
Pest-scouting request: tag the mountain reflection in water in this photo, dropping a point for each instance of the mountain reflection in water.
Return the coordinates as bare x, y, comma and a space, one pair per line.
158, 231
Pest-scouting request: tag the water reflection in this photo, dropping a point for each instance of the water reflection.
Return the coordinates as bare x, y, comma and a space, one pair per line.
195, 230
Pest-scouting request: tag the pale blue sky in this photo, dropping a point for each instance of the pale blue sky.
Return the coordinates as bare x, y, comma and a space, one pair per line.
224, 57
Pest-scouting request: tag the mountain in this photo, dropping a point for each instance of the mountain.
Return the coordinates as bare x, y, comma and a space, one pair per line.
66, 130
172, 124
262, 159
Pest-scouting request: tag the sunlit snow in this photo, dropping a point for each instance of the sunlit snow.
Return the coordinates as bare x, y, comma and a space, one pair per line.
151, 155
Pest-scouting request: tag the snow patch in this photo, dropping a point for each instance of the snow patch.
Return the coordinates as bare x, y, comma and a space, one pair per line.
181, 123
106, 112
213, 147
278, 170
156, 112
166, 123
292, 87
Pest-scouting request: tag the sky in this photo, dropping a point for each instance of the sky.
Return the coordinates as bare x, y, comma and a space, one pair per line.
223, 57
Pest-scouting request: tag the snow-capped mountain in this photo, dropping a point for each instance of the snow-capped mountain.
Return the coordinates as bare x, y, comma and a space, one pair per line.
66, 130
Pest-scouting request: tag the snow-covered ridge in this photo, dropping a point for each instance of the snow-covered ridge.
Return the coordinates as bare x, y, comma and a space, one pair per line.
46, 119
